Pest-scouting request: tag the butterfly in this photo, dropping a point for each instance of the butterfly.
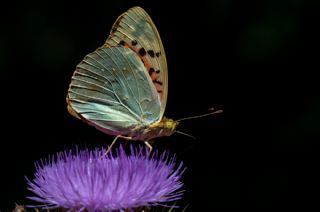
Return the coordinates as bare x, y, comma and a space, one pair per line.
121, 88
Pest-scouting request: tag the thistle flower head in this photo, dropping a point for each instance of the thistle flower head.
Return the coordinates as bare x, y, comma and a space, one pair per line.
92, 181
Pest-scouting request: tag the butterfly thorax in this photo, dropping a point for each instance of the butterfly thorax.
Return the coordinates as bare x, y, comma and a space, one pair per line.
165, 127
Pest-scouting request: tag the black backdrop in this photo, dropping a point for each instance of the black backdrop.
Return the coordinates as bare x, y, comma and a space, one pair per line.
256, 60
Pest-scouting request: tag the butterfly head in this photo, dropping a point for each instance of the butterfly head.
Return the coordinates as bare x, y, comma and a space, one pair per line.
170, 125
166, 126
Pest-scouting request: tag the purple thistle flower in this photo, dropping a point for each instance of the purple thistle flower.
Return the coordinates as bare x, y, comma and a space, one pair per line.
93, 181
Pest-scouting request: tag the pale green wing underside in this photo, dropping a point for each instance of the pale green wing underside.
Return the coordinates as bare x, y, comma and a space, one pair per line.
111, 90
136, 30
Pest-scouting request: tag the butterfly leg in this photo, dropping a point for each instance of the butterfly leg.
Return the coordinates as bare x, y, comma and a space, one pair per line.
114, 141
149, 146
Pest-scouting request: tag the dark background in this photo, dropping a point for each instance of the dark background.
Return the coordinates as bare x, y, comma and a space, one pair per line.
256, 60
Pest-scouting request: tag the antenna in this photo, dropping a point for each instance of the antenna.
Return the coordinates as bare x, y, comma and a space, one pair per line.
200, 116
182, 133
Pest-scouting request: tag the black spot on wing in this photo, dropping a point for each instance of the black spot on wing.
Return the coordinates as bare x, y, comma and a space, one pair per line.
122, 43
115, 26
134, 42
113, 30
157, 81
157, 71
158, 54
151, 70
142, 52
151, 53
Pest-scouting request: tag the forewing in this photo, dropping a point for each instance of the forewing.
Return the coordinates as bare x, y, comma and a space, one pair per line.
110, 89
135, 29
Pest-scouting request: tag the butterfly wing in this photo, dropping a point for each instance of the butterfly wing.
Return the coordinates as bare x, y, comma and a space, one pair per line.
110, 90
135, 29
